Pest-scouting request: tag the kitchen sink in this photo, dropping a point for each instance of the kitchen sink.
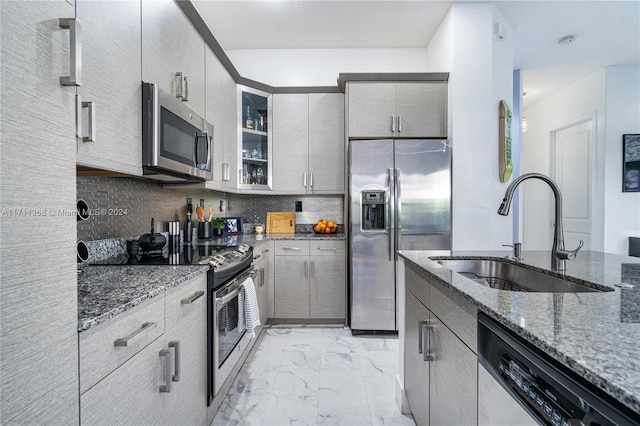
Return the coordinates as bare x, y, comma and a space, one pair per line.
503, 275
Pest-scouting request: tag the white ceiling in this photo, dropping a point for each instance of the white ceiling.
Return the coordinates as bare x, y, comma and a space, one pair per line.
606, 32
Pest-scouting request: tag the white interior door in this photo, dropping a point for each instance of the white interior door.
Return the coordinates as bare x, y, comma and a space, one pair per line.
572, 149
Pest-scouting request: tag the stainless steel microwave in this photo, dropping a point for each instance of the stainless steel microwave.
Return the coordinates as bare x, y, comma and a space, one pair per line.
176, 142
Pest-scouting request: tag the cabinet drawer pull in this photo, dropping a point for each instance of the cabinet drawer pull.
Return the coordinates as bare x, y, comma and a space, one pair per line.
399, 124
166, 353
125, 341
306, 269
257, 257
75, 46
311, 180
327, 248
426, 338
185, 97
291, 248
91, 107
176, 364
304, 179
393, 124
197, 295
178, 81
420, 324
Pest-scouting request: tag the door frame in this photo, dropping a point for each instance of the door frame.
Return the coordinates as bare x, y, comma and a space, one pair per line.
594, 172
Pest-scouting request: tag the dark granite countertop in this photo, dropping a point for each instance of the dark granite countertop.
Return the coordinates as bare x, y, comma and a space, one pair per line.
107, 291
597, 335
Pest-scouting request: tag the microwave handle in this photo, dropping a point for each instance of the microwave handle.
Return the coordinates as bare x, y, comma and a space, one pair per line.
196, 139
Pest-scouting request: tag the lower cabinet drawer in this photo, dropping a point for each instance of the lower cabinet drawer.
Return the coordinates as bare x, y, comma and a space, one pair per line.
186, 298
105, 347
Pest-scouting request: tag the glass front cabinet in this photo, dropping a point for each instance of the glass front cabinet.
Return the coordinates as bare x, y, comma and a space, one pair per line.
254, 137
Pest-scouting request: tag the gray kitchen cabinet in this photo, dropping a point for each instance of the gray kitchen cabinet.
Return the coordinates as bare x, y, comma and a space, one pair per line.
403, 109
326, 142
291, 142
416, 384
216, 77
327, 279
291, 281
262, 279
173, 53
222, 104
308, 143
186, 338
164, 379
440, 369
110, 92
38, 306
309, 279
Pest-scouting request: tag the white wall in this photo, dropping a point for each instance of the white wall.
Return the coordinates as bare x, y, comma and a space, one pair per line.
482, 75
622, 209
320, 67
584, 98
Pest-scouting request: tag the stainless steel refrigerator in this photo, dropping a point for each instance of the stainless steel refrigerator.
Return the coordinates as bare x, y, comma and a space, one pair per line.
399, 199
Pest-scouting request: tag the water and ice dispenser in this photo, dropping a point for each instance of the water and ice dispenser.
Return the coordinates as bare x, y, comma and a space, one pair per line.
373, 211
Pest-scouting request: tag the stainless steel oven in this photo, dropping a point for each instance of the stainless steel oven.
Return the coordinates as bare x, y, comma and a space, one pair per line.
228, 342
176, 142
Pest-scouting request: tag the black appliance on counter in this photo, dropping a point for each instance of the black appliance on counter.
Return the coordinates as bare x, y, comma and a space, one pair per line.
228, 267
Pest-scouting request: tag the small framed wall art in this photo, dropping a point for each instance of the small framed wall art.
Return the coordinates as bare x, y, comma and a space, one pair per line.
631, 163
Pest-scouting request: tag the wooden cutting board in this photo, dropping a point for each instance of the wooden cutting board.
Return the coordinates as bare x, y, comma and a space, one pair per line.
281, 222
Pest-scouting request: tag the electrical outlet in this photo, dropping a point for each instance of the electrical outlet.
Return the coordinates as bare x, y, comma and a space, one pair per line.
298, 206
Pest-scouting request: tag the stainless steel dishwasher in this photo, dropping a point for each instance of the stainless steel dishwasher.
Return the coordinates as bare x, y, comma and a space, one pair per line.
520, 385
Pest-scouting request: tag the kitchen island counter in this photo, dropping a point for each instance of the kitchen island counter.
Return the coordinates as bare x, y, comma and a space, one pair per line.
107, 291
595, 334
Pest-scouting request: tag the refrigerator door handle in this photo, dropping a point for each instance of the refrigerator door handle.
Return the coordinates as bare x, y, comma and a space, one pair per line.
391, 221
398, 209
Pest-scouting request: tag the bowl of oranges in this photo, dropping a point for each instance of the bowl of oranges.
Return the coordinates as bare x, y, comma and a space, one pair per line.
325, 227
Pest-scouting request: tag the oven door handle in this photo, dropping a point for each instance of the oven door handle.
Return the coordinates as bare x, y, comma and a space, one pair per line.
228, 297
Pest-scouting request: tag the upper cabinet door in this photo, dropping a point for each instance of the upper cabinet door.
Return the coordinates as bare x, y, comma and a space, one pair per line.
215, 115
326, 143
290, 142
421, 108
372, 109
111, 86
160, 44
172, 53
191, 65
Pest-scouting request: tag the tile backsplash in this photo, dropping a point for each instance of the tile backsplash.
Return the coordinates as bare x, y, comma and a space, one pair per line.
123, 207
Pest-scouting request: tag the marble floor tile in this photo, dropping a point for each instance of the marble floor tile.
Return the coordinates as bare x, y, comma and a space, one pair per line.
314, 375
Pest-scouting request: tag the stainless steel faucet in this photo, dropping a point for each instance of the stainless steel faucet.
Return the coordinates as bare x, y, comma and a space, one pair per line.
559, 255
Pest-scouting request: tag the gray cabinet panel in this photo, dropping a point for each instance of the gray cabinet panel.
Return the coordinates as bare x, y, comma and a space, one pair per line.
131, 395
372, 108
262, 280
160, 44
453, 379
215, 114
291, 287
327, 287
326, 142
230, 136
38, 306
111, 79
192, 64
187, 326
290, 142
416, 369
421, 108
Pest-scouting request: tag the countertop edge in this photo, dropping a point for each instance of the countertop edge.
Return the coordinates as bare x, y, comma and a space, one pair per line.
87, 323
